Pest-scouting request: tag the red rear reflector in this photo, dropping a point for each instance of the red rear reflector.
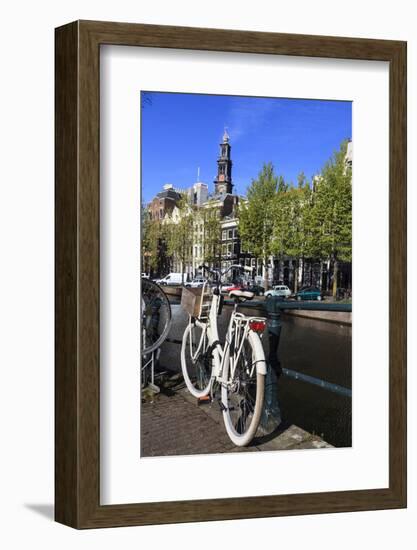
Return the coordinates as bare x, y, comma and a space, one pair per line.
257, 326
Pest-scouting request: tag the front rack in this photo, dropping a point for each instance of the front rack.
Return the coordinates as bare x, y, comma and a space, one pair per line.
197, 301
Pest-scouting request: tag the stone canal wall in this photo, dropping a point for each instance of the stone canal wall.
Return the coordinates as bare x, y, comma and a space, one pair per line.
341, 317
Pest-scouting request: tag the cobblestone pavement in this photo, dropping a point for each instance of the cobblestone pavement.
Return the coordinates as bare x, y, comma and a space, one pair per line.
173, 423
173, 426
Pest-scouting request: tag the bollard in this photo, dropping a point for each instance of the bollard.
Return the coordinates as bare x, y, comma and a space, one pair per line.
271, 417
273, 309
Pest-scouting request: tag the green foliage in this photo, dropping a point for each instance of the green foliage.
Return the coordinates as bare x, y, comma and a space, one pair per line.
288, 235
151, 235
332, 210
316, 223
256, 215
178, 234
211, 235
303, 221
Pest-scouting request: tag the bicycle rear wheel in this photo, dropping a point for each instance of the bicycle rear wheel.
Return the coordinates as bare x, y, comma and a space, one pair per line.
156, 316
196, 361
243, 394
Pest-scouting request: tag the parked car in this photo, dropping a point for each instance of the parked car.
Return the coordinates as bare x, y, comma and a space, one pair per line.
227, 287
309, 293
278, 290
256, 289
198, 282
172, 279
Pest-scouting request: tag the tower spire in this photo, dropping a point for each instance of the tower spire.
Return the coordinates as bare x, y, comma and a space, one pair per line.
223, 182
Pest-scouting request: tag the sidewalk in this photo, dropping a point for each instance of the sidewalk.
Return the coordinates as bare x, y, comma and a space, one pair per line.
174, 424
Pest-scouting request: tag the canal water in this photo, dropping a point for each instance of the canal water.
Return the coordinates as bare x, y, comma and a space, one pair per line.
313, 347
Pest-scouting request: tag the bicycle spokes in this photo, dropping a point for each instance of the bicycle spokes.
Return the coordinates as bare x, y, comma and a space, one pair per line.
242, 398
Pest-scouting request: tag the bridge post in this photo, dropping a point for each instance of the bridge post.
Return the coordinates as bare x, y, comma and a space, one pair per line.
273, 310
271, 417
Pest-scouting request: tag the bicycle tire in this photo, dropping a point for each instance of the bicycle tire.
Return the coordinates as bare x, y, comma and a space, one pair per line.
154, 330
197, 371
243, 397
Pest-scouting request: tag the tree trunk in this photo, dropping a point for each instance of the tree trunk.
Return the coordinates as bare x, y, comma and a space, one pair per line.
297, 266
321, 276
302, 272
335, 277
265, 274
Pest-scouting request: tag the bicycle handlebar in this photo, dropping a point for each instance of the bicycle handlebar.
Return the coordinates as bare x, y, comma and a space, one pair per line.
219, 274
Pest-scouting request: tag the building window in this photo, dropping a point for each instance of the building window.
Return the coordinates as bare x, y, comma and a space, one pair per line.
235, 248
160, 213
230, 235
223, 235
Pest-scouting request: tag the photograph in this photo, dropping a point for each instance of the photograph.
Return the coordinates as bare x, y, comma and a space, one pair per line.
246, 273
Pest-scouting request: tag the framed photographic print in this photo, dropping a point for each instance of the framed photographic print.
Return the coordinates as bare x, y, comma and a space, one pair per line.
230, 274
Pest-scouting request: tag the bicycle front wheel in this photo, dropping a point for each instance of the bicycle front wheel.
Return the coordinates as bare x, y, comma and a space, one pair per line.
243, 394
196, 360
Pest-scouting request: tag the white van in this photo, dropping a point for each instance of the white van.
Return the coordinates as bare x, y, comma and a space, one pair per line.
172, 279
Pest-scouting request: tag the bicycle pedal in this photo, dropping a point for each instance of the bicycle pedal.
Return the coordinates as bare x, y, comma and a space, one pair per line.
206, 400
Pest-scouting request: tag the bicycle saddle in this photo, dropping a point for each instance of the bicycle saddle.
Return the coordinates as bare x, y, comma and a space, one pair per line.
241, 294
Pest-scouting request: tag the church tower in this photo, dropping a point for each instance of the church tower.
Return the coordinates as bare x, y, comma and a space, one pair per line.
223, 182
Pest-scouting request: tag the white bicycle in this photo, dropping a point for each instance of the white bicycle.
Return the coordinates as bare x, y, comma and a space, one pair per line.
238, 367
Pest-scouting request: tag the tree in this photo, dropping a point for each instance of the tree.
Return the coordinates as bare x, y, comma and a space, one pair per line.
151, 237
256, 215
179, 232
291, 223
211, 236
332, 212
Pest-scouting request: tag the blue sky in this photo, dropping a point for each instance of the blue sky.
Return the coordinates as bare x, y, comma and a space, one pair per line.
181, 132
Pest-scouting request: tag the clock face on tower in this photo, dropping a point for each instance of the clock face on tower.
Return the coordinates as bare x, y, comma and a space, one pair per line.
221, 177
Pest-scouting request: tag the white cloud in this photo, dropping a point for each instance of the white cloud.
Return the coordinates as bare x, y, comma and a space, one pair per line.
248, 115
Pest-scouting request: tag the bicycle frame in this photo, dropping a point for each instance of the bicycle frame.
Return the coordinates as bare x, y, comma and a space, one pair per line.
239, 326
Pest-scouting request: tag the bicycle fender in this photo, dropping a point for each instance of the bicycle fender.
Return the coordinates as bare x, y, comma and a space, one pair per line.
259, 353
